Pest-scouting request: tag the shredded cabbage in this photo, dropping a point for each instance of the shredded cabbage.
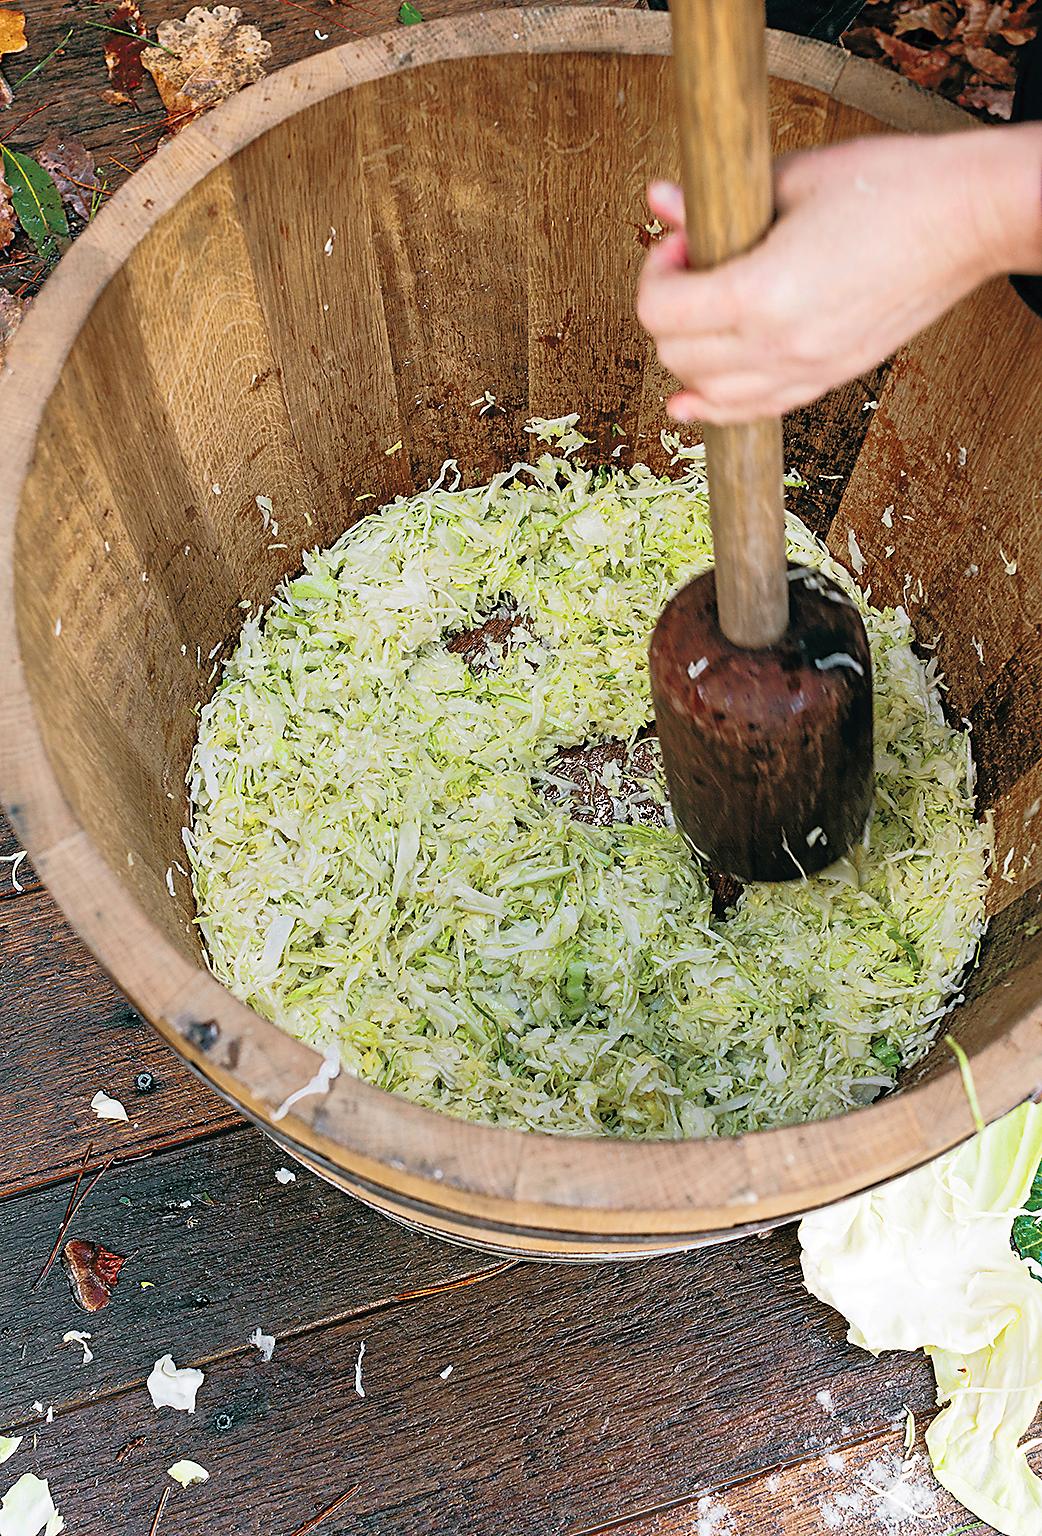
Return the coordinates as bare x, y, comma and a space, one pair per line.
383, 859
926, 1263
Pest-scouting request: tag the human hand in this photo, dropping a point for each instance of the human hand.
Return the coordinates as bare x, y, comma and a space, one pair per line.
873, 240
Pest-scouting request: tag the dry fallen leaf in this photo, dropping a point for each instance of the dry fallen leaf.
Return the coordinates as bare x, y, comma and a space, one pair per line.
12, 31
12, 40
993, 68
11, 312
938, 18
92, 1272
123, 52
987, 98
8, 222
929, 67
210, 57
71, 165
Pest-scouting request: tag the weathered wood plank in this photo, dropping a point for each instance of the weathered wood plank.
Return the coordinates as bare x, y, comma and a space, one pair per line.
868, 1487
222, 1248
66, 1033
576, 1395
822, 442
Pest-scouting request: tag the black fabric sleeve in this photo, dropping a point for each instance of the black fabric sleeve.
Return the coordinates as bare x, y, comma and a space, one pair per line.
1027, 108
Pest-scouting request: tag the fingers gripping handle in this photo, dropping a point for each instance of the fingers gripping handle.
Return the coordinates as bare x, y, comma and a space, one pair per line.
720, 63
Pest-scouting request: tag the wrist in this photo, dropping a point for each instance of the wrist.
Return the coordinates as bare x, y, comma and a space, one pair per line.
1004, 188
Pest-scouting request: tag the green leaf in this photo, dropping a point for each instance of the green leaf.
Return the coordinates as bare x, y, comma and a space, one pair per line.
886, 1054
1027, 1230
905, 944
37, 201
408, 15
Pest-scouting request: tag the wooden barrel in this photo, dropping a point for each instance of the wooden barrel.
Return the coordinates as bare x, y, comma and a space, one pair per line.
344, 258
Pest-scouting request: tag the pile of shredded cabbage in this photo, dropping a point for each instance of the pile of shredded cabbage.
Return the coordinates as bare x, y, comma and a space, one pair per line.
377, 864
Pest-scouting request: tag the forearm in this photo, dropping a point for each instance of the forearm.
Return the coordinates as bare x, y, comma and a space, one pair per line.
1004, 185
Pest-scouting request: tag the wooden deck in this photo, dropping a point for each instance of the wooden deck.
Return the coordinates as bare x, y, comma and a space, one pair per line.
706, 1394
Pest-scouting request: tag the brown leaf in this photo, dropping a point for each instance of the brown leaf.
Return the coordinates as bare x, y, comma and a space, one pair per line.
11, 312
12, 32
987, 98
993, 68
1019, 25
213, 57
92, 1272
978, 16
6, 94
71, 165
929, 67
8, 221
939, 18
122, 53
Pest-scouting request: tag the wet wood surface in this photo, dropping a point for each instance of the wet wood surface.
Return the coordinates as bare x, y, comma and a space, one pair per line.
701, 1395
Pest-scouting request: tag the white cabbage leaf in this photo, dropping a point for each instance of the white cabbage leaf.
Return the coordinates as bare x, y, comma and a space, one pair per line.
926, 1263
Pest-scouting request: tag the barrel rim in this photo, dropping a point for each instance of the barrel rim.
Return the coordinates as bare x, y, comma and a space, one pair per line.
507, 1180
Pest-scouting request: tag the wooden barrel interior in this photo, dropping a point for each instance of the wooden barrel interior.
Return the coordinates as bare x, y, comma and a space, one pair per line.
311, 320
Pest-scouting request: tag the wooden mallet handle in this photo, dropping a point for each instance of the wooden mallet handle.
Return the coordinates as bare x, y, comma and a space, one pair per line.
720, 60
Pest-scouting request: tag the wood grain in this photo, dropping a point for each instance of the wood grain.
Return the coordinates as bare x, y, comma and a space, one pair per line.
68, 1032
575, 1398
222, 1247
67, 94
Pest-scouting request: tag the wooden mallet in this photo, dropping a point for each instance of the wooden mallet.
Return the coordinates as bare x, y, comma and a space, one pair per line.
760, 673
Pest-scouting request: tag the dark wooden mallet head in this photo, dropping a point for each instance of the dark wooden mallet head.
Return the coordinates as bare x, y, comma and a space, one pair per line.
768, 752
760, 675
